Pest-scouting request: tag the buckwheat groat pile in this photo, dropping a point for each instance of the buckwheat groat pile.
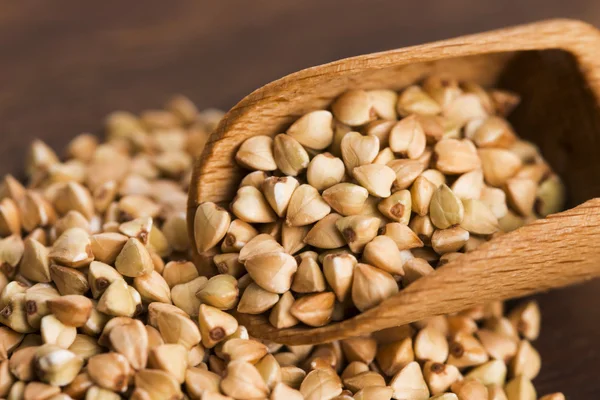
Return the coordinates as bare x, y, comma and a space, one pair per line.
99, 301
351, 205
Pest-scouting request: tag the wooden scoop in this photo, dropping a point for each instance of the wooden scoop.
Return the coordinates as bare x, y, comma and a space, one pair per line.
553, 65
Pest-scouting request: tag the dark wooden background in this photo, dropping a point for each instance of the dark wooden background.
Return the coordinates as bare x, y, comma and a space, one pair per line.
65, 64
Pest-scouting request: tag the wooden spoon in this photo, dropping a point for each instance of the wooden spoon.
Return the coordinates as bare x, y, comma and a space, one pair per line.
554, 65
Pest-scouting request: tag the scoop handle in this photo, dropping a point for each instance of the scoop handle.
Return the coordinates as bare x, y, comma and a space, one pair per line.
556, 251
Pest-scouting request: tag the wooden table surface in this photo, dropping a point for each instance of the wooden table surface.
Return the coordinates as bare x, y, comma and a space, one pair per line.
66, 63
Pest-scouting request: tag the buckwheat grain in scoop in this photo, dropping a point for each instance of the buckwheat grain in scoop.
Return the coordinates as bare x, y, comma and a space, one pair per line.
432, 170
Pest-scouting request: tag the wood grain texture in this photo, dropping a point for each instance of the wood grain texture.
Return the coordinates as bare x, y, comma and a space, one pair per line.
67, 63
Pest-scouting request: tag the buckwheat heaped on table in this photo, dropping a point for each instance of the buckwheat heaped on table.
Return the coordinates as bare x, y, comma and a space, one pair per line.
99, 299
